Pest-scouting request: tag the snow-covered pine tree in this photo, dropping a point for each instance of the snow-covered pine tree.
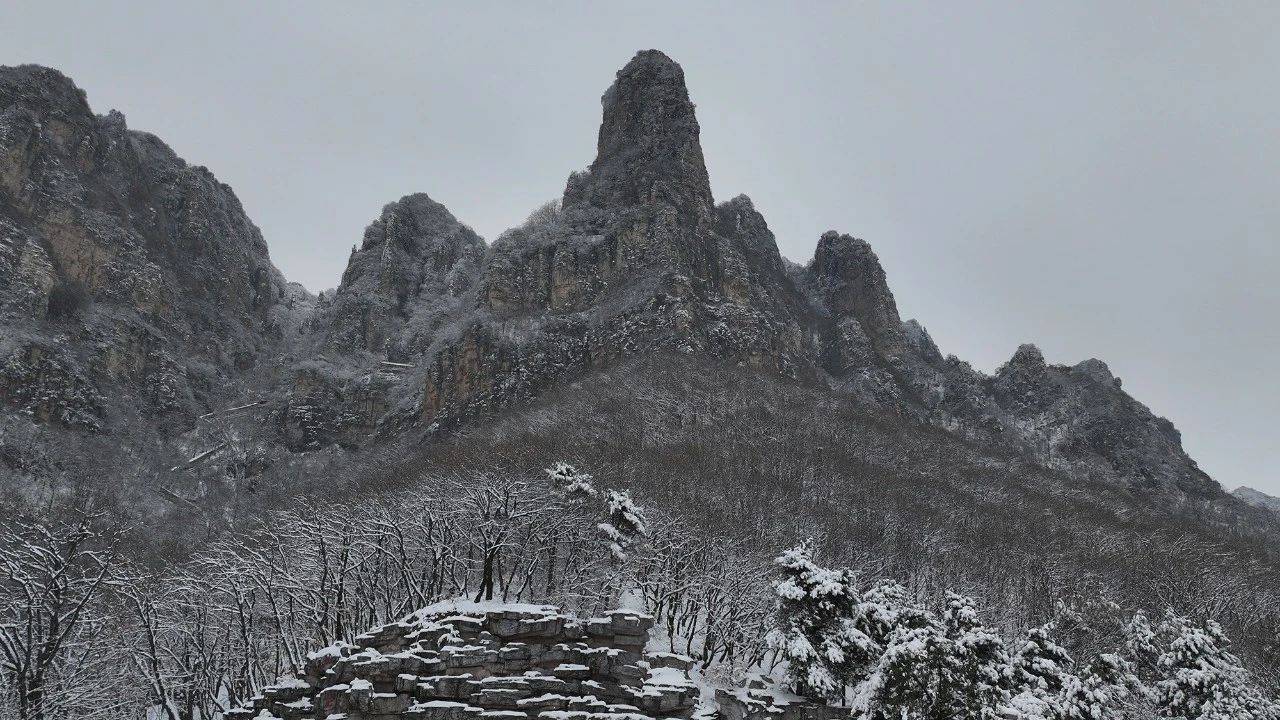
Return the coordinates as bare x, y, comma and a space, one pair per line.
974, 671
623, 520
1097, 693
1142, 645
1201, 680
623, 524
570, 482
816, 634
1041, 665
886, 607
905, 682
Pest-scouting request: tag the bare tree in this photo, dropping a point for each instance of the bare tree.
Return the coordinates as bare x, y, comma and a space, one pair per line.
54, 628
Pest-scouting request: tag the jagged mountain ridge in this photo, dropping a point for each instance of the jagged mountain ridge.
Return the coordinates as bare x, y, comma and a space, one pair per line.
430, 327
637, 257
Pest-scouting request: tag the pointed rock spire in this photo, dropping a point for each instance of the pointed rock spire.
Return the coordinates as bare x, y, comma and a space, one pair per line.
648, 151
852, 283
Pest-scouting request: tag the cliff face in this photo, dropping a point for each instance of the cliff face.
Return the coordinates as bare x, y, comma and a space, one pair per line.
134, 291
129, 274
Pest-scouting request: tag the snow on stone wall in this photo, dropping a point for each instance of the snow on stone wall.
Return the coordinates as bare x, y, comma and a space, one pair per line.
459, 660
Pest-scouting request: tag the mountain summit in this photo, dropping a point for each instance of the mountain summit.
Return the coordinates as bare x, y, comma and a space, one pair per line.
648, 149
139, 301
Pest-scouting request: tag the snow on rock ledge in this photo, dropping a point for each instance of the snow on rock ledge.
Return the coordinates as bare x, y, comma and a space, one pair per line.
760, 701
460, 660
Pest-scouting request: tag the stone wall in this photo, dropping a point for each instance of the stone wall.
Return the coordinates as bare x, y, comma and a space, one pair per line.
466, 661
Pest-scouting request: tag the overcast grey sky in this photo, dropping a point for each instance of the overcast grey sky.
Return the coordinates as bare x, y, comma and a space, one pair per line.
1099, 178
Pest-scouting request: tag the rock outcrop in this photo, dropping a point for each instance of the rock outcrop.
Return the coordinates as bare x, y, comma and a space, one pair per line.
648, 153
415, 263
457, 660
847, 277
634, 258
406, 285
761, 701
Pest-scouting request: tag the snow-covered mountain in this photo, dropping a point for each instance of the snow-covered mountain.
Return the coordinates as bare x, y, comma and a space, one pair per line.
273, 481
140, 302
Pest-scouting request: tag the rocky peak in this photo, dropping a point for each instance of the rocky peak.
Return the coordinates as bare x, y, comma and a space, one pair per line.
1026, 358
1097, 370
648, 149
413, 258
414, 222
739, 218
639, 223
1077, 416
848, 278
1025, 381
920, 342
42, 91
738, 221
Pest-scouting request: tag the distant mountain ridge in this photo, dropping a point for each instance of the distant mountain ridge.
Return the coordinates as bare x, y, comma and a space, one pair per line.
1257, 498
137, 298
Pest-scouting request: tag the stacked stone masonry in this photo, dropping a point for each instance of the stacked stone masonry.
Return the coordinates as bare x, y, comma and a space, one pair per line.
468, 661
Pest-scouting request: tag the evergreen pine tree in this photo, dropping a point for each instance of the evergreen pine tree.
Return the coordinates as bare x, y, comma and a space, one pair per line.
1040, 664
905, 682
624, 523
570, 482
1143, 646
1095, 694
975, 673
1201, 680
886, 607
816, 633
